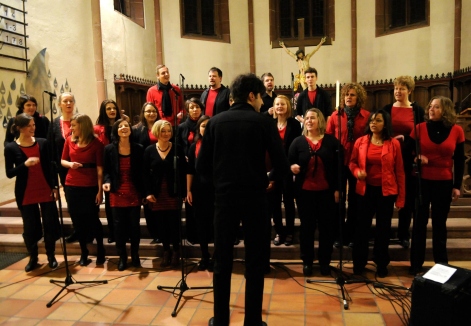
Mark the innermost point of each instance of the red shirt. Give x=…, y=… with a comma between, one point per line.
x=37, y=189
x=212, y=94
x=65, y=128
x=312, y=95
x=152, y=138
x=315, y=179
x=154, y=95
x=90, y=154
x=402, y=120
x=374, y=165
x=282, y=133
x=100, y=132
x=440, y=156
x=126, y=195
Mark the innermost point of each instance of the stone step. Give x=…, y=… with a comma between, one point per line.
x=458, y=249
x=457, y=227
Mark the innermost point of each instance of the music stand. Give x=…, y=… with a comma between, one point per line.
x=69, y=280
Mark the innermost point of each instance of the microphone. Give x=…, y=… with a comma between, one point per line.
x=50, y=94
x=183, y=77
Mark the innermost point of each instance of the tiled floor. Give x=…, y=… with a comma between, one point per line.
x=131, y=297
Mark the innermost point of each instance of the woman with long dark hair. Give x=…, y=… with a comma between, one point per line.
x=163, y=191
x=314, y=158
x=142, y=134
x=377, y=164
x=442, y=167
x=123, y=180
x=288, y=129
x=28, y=104
x=353, y=121
x=83, y=156
x=109, y=113
x=200, y=195
x=28, y=160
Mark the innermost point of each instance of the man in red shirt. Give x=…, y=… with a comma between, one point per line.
x=166, y=96
x=216, y=97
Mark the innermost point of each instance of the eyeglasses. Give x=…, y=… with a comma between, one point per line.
x=150, y=112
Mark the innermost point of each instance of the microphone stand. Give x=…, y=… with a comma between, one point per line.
x=181, y=285
x=340, y=279
x=68, y=276
x=292, y=94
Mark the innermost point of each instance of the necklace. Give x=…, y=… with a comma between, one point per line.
x=281, y=125
x=375, y=141
x=163, y=150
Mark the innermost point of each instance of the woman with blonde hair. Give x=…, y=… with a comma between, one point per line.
x=83, y=156
x=162, y=190
x=288, y=129
x=314, y=160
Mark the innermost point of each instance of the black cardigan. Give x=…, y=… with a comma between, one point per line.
x=111, y=168
x=299, y=154
x=15, y=167
x=321, y=102
x=155, y=170
x=183, y=131
x=140, y=135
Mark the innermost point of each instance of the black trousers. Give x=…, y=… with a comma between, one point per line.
x=405, y=214
x=85, y=213
x=317, y=209
x=229, y=213
x=371, y=204
x=152, y=222
x=283, y=192
x=109, y=214
x=169, y=223
x=127, y=226
x=203, y=209
x=33, y=229
x=436, y=194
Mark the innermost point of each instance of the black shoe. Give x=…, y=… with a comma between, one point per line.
x=405, y=243
x=211, y=322
x=325, y=270
x=32, y=264
x=277, y=240
x=84, y=261
x=136, y=261
x=156, y=240
x=203, y=264
x=52, y=261
x=350, y=245
x=307, y=270
x=72, y=238
x=100, y=257
x=211, y=265
x=337, y=244
x=289, y=240
x=111, y=240
x=413, y=270
x=122, y=264
x=236, y=241
x=382, y=271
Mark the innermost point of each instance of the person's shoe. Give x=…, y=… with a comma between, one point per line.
x=211, y=265
x=236, y=241
x=135, y=261
x=325, y=270
x=175, y=259
x=203, y=264
x=111, y=240
x=84, y=261
x=122, y=264
x=100, y=255
x=414, y=270
x=165, y=259
x=156, y=240
x=337, y=244
x=307, y=270
x=277, y=240
x=72, y=238
x=52, y=261
x=289, y=240
x=382, y=271
x=405, y=243
x=32, y=264
x=211, y=322
x=350, y=245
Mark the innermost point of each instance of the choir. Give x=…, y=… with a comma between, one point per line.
x=375, y=155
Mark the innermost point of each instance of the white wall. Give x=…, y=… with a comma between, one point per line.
x=465, y=35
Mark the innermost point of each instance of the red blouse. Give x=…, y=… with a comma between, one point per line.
x=315, y=179
x=374, y=176
x=126, y=195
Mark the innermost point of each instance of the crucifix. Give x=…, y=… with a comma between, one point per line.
x=301, y=59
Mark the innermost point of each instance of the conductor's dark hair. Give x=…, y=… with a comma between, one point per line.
x=245, y=84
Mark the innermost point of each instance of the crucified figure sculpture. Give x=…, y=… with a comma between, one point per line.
x=303, y=62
